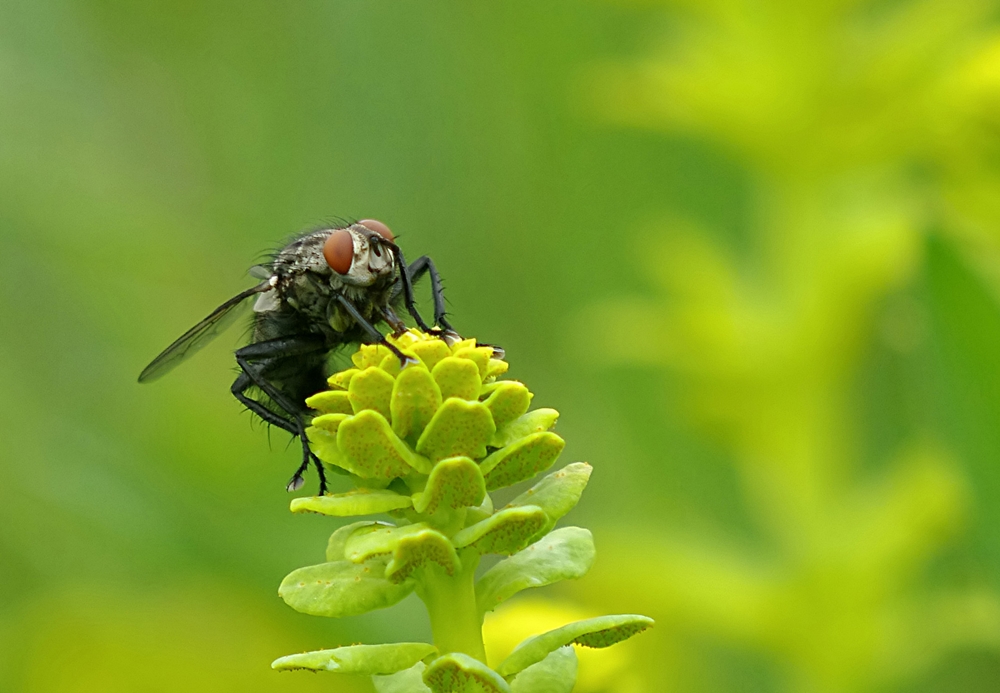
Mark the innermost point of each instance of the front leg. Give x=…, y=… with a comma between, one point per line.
x=254, y=360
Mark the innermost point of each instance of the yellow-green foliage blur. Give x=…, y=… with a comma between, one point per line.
x=750, y=251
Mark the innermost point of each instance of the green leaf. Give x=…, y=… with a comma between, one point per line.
x=460, y=673
x=557, y=493
x=565, y=554
x=377, y=540
x=507, y=401
x=361, y=501
x=430, y=351
x=415, y=398
x=372, y=450
x=479, y=355
x=533, y=422
x=457, y=378
x=359, y=659
x=342, y=379
x=341, y=588
x=602, y=631
x=554, y=674
x=371, y=389
x=454, y=483
x=407, y=681
x=338, y=540
x=458, y=429
x=417, y=550
x=504, y=532
x=521, y=460
x=331, y=402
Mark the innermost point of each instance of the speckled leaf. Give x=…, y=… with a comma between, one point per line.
x=565, y=554
x=359, y=659
x=324, y=444
x=458, y=429
x=361, y=501
x=554, y=674
x=431, y=351
x=505, y=532
x=479, y=355
x=341, y=588
x=526, y=424
x=479, y=512
x=457, y=378
x=342, y=379
x=496, y=367
x=371, y=389
x=559, y=492
x=372, y=450
x=602, y=631
x=509, y=400
x=407, y=681
x=460, y=673
x=338, y=540
x=369, y=355
x=521, y=460
x=453, y=483
x=415, y=398
x=331, y=402
x=417, y=550
x=377, y=540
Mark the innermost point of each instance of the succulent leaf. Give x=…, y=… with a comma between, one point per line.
x=521, y=460
x=557, y=493
x=407, y=681
x=370, y=449
x=533, y=422
x=554, y=674
x=331, y=402
x=415, y=398
x=359, y=659
x=460, y=673
x=341, y=588
x=459, y=428
x=565, y=554
x=419, y=549
x=507, y=401
x=479, y=355
x=602, y=631
x=360, y=501
x=453, y=483
x=336, y=545
x=457, y=378
x=504, y=532
x=376, y=540
x=342, y=379
x=371, y=389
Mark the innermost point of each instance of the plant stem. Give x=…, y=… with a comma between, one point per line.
x=451, y=604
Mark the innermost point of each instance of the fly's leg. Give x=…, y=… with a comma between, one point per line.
x=412, y=273
x=254, y=361
x=415, y=271
x=406, y=284
x=397, y=325
x=373, y=332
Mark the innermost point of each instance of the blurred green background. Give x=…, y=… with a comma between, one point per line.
x=749, y=249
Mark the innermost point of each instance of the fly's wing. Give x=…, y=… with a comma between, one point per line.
x=201, y=334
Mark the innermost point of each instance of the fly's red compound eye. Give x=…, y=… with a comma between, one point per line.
x=379, y=228
x=339, y=251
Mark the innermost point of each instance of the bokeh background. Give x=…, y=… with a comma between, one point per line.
x=749, y=248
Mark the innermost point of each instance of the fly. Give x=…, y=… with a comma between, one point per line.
x=324, y=289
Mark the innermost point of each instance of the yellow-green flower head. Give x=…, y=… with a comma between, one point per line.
x=446, y=415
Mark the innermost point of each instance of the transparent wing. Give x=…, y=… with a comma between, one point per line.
x=201, y=334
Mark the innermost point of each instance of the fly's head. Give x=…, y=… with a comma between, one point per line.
x=361, y=254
